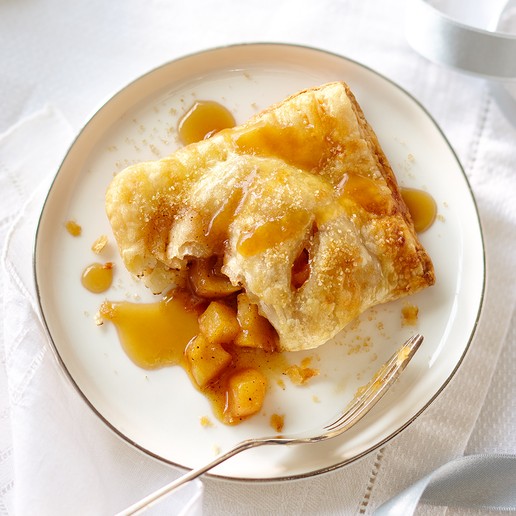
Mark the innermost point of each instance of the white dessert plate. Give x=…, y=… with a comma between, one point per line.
x=159, y=411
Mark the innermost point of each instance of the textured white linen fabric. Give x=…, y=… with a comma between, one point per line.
x=55, y=456
x=52, y=439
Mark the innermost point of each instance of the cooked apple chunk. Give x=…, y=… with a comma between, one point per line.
x=206, y=360
x=207, y=281
x=246, y=393
x=256, y=332
x=219, y=323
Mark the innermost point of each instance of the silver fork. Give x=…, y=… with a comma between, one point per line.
x=364, y=400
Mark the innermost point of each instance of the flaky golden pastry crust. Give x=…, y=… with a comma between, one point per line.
x=306, y=176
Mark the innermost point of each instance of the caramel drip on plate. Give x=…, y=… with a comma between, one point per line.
x=202, y=120
x=153, y=334
x=163, y=333
x=422, y=207
x=97, y=277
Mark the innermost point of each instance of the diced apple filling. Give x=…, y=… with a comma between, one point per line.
x=219, y=323
x=208, y=282
x=246, y=392
x=256, y=332
x=212, y=356
x=206, y=359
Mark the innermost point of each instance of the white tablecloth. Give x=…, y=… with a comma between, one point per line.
x=61, y=60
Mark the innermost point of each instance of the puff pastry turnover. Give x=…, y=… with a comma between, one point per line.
x=304, y=185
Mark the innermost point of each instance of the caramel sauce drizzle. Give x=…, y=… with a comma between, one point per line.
x=272, y=232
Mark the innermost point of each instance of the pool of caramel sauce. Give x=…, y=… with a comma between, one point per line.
x=202, y=120
x=155, y=335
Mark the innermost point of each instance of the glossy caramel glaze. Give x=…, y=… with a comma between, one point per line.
x=153, y=334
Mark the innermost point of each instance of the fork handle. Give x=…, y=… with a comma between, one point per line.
x=151, y=499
